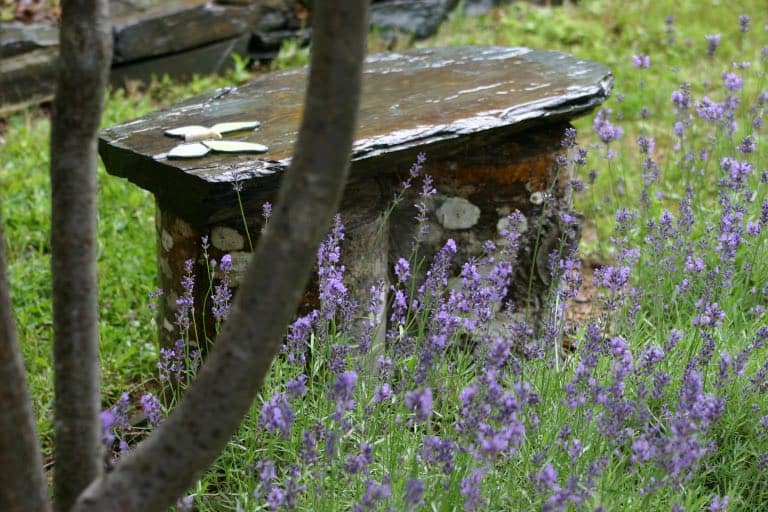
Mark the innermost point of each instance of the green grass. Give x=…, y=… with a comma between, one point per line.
x=608, y=32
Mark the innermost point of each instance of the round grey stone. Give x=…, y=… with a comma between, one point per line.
x=457, y=213
x=227, y=239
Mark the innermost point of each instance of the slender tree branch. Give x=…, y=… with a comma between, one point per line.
x=22, y=483
x=167, y=463
x=85, y=55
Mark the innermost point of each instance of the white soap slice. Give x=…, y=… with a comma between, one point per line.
x=235, y=146
x=182, y=132
x=235, y=126
x=204, y=134
x=195, y=150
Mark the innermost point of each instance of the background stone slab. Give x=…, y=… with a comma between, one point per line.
x=208, y=59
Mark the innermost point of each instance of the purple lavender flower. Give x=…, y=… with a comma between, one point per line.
x=613, y=278
x=569, y=138
x=733, y=82
x=471, y=490
x=713, y=41
x=402, y=270
x=343, y=392
x=382, y=393
x=710, y=110
x=414, y=493
x=641, y=61
x=605, y=130
x=277, y=415
x=682, y=97
x=337, y=361
x=438, y=451
x=710, y=314
x=154, y=297
x=297, y=387
x=374, y=494
x=152, y=409
x=115, y=418
x=222, y=294
x=108, y=421
x=720, y=504
x=298, y=338
x=277, y=497
x=731, y=233
x=646, y=144
x=186, y=503
x=747, y=145
x=357, y=463
x=428, y=191
x=642, y=451
x=420, y=402
x=415, y=170
x=744, y=23
x=173, y=362
x=186, y=302
x=669, y=21
x=330, y=272
x=546, y=479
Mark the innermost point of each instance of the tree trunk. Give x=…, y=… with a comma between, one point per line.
x=85, y=55
x=167, y=463
x=22, y=483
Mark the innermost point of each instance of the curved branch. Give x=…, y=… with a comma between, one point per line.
x=167, y=463
x=85, y=55
x=22, y=483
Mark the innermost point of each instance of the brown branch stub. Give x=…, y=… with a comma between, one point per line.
x=166, y=464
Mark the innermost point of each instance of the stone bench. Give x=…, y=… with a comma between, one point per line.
x=489, y=119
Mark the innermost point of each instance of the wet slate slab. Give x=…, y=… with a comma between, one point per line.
x=17, y=38
x=28, y=55
x=418, y=18
x=169, y=27
x=411, y=101
x=208, y=59
x=27, y=79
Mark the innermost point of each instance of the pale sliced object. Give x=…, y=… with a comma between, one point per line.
x=195, y=150
x=204, y=134
x=184, y=130
x=235, y=146
x=235, y=126
x=194, y=133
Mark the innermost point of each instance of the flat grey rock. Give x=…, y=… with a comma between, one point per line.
x=419, y=18
x=177, y=25
x=17, y=38
x=207, y=59
x=27, y=78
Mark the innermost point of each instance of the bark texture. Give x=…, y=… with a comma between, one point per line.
x=85, y=55
x=167, y=463
x=22, y=483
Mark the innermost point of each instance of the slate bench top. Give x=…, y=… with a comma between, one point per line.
x=410, y=100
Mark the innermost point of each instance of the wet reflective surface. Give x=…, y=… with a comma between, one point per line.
x=412, y=99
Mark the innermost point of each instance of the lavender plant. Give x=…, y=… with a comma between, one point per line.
x=660, y=404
